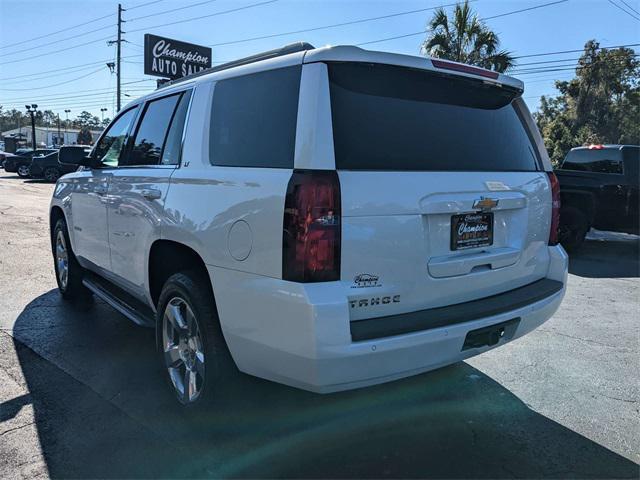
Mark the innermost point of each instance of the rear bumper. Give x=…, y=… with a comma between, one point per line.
x=301, y=336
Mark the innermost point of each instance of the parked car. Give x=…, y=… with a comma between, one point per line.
x=599, y=189
x=21, y=163
x=326, y=218
x=48, y=167
x=4, y=156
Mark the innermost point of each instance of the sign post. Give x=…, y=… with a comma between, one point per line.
x=168, y=58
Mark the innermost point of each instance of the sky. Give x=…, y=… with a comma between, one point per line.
x=31, y=68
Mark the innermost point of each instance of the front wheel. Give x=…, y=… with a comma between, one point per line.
x=24, y=171
x=192, y=349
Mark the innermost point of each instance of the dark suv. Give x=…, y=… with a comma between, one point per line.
x=598, y=188
x=21, y=164
x=49, y=168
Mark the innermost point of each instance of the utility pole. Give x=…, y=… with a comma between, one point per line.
x=58, y=141
x=32, y=111
x=66, y=125
x=118, y=43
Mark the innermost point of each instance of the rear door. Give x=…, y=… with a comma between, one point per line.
x=139, y=188
x=443, y=196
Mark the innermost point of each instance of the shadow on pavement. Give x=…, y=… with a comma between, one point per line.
x=102, y=411
x=607, y=255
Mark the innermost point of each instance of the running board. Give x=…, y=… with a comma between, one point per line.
x=133, y=309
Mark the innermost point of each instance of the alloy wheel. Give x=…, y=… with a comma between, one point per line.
x=51, y=174
x=24, y=170
x=183, y=350
x=62, y=259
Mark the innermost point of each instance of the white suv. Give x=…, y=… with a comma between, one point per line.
x=327, y=218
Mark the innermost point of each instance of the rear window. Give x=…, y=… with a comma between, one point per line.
x=253, y=120
x=606, y=160
x=396, y=118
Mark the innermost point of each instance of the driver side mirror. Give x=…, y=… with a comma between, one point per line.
x=71, y=155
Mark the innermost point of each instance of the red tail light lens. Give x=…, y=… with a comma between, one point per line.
x=311, y=236
x=464, y=68
x=555, y=208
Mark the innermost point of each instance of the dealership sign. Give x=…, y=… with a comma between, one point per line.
x=167, y=58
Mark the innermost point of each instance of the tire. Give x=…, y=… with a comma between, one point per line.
x=69, y=273
x=193, y=354
x=574, y=226
x=24, y=171
x=51, y=174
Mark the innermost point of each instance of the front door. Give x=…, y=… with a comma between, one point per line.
x=90, y=197
x=139, y=187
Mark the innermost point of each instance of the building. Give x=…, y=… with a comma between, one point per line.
x=48, y=135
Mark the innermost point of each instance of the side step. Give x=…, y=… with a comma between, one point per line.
x=127, y=305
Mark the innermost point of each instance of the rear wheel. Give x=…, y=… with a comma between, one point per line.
x=24, y=171
x=574, y=226
x=193, y=351
x=51, y=174
x=68, y=270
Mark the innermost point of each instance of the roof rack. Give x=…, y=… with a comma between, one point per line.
x=277, y=52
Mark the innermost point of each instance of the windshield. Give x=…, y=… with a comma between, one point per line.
x=395, y=118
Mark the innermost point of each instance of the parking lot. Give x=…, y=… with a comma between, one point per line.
x=80, y=394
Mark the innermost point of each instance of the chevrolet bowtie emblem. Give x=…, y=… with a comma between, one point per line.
x=485, y=204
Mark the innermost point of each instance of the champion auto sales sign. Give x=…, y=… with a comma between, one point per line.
x=167, y=58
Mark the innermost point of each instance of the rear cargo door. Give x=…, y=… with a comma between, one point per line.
x=443, y=197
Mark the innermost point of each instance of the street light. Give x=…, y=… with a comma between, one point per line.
x=31, y=109
x=66, y=125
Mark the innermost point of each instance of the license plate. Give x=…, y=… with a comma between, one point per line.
x=471, y=230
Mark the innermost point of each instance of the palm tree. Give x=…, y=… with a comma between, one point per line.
x=466, y=39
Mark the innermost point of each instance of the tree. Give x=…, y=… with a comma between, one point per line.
x=601, y=104
x=465, y=38
x=85, y=119
x=84, y=136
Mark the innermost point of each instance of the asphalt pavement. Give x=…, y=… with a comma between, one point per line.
x=81, y=395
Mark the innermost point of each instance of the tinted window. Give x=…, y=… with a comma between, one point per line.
x=152, y=130
x=173, y=146
x=606, y=160
x=253, y=121
x=394, y=118
x=111, y=144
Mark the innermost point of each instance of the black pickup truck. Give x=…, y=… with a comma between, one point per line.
x=598, y=188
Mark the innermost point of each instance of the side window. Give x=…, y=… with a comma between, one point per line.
x=173, y=145
x=253, y=119
x=110, y=145
x=151, y=132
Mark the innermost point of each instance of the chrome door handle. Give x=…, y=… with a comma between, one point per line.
x=151, y=194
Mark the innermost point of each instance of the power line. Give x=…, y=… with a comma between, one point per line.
x=143, y=4
x=625, y=11
x=72, y=67
x=575, y=51
x=51, y=86
x=630, y=7
x=422, y=32
x=204, y=16
x=31, y=57
x=56, y=41
x=313, y=29
x=56, y=32
x=171, y=10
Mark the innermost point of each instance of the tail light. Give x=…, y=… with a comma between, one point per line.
x=555, y=208
x=311, y=230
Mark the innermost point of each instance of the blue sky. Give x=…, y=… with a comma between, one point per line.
x=563, y=26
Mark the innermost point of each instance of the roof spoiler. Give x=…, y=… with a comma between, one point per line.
x=277, y=52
